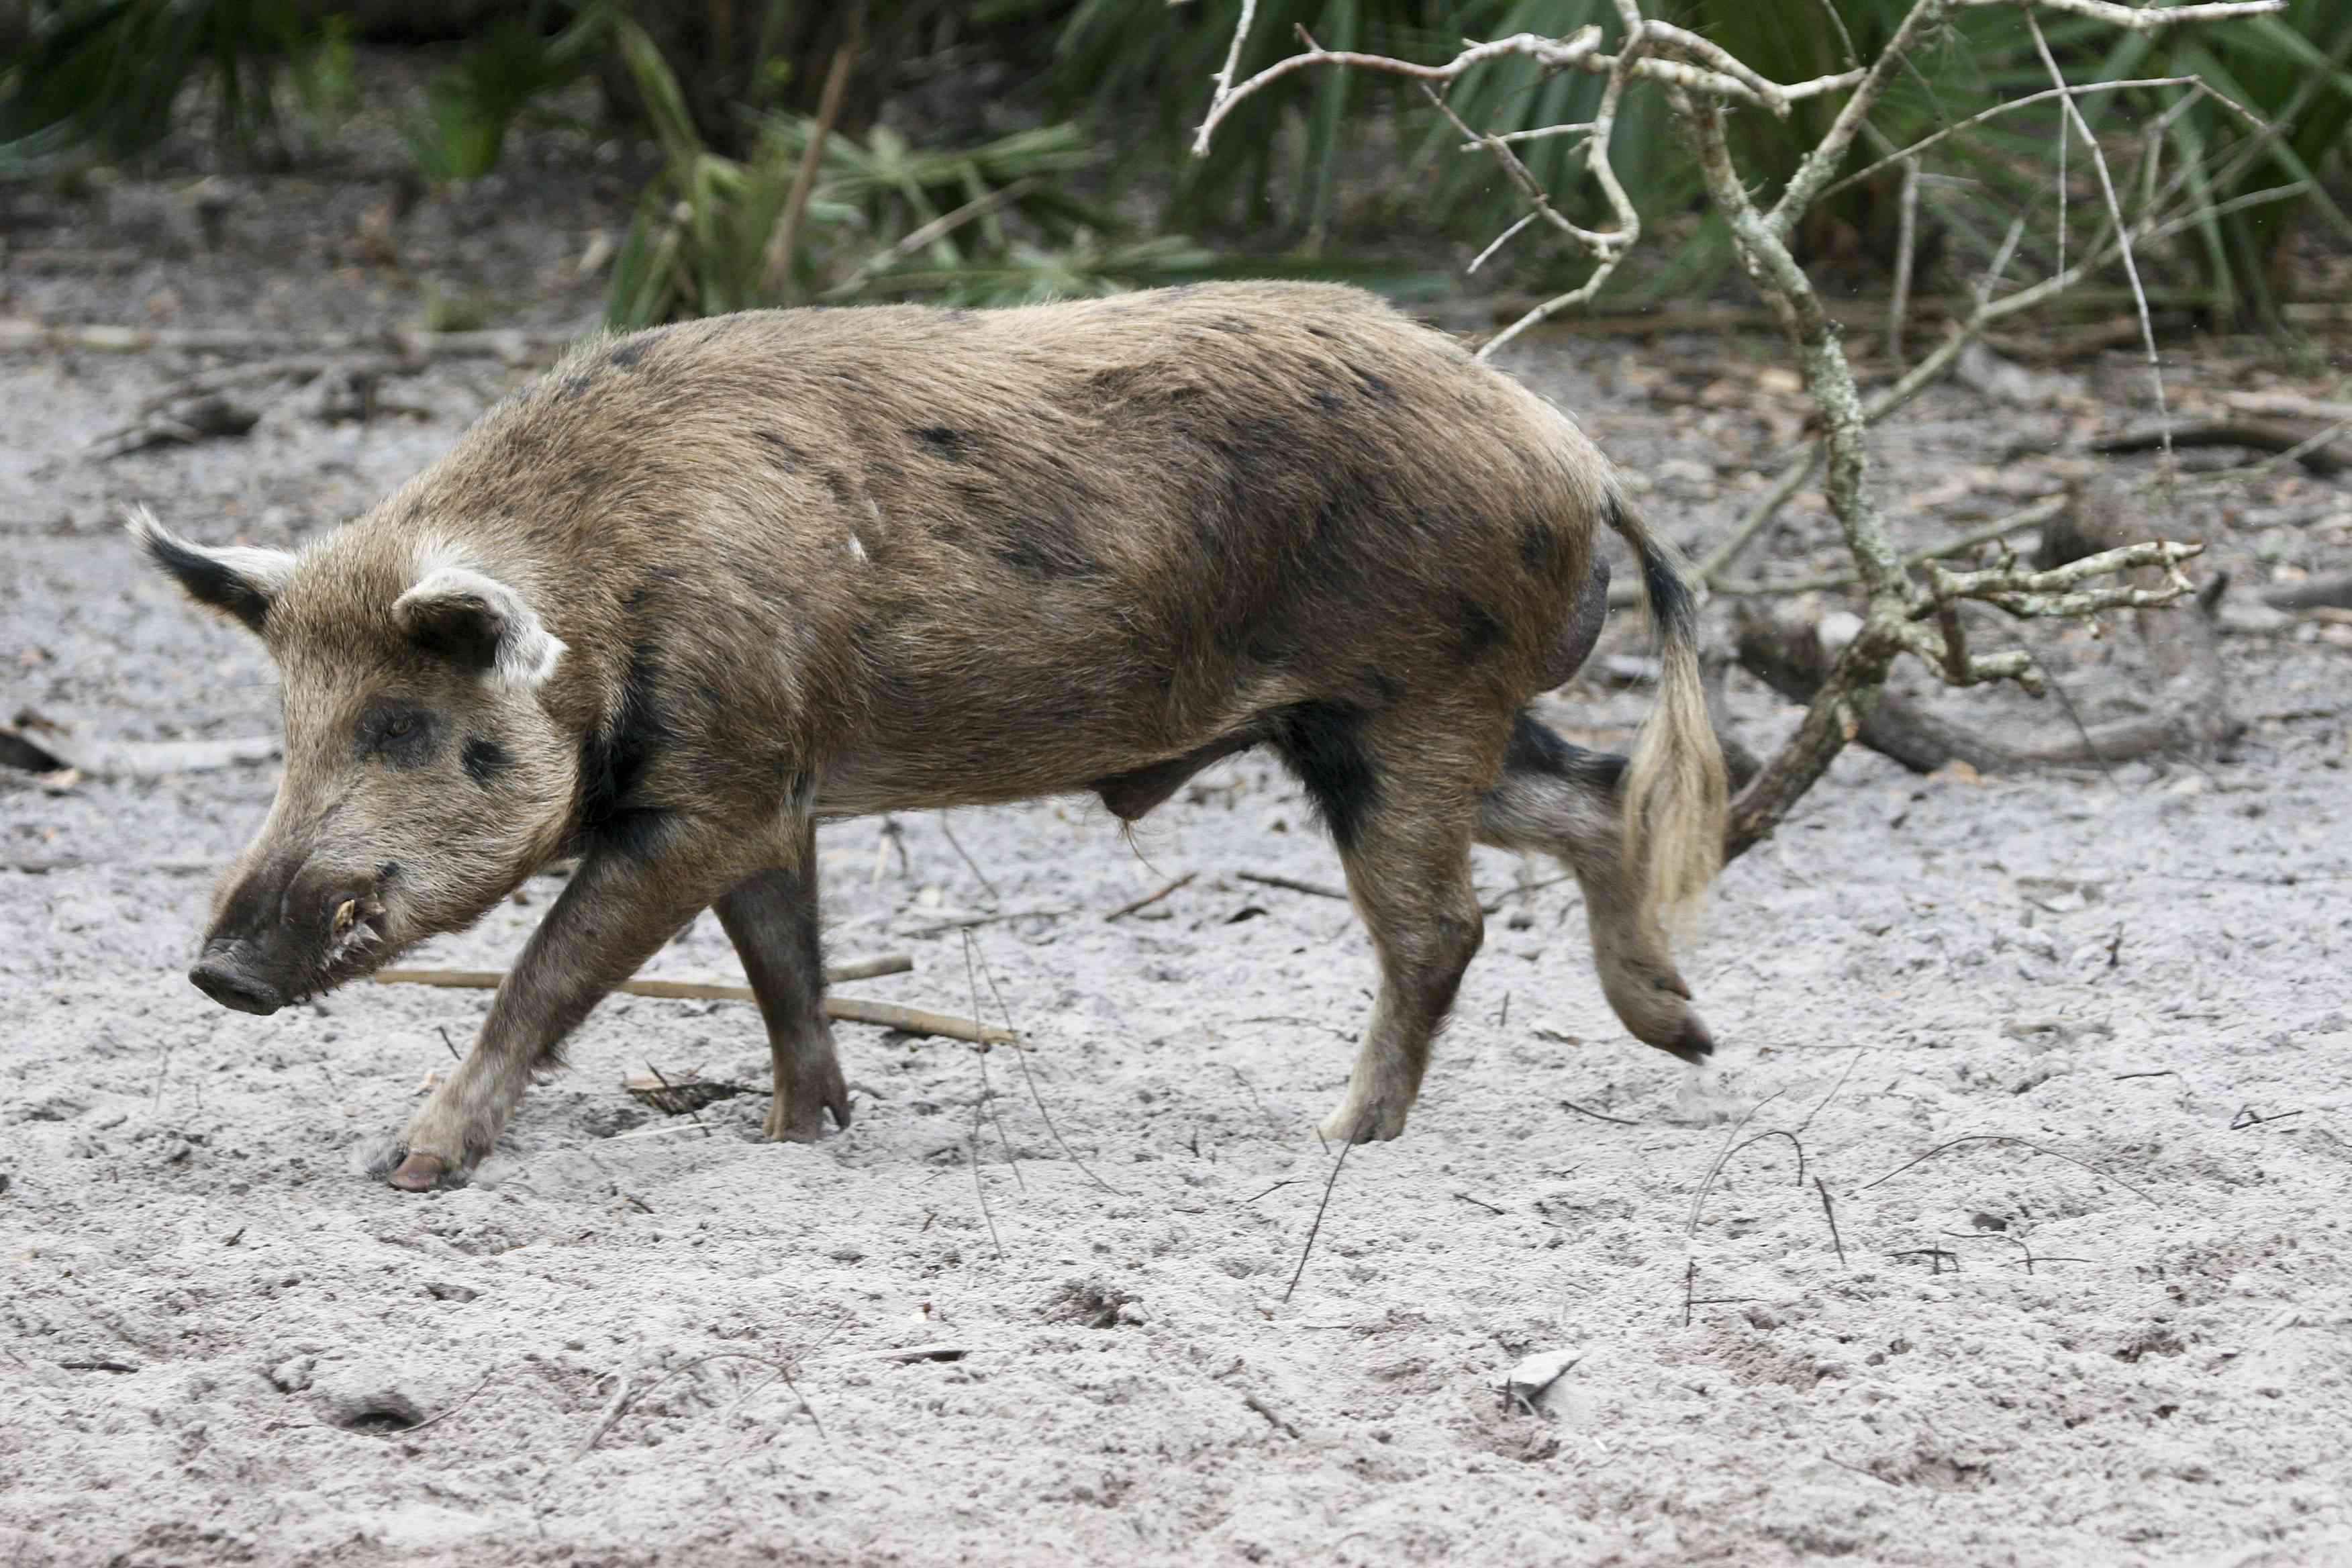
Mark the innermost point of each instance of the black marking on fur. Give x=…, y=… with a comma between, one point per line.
x=789, y=457
x=1330, y=402
x=573, y=387
x=1041, y=555
x=1374, y=385
x=845, y=494
x=387, y=872
x=1671, y=608
x=1539, y=545
x=611, y=808
x=943, y=442
x=1322, y=743
x=1670, y=598
x=1536, y=748
x=626, y=355
x=483, y=759
x=1233, y=324
x=208, y=582
x=1480, y=631
x=1272, y=645
x=1039, y=534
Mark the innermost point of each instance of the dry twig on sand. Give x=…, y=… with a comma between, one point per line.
x=509, y=347
x=845, y=1009
x=1294, y=885
x=2021, y=1143
x=1315, y=1229
x=626, y=1397
x=1144, y=902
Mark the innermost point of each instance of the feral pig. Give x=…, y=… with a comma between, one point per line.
x=704, y=585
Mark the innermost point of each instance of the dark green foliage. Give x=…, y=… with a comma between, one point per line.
x=2293, y=70
x=107, y=74
x=519, y=60
x=727, y=87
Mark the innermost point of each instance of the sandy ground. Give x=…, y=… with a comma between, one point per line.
x=2112, y=1328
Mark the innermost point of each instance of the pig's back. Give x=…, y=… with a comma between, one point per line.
x=1124, y=525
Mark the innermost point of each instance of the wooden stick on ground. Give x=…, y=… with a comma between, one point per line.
x=1148, y=900
x=847, y=1009
x=513, y=347
x=1291, y=884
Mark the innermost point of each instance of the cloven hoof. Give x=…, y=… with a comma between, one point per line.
x=418, y=1173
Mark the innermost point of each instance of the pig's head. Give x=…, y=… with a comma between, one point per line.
x=425, y=778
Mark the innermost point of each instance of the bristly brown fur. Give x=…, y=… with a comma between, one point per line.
x=755, y=570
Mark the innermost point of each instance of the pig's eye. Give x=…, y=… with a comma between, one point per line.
x=397, y=734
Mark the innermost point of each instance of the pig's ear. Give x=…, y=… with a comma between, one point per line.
x=477, y=622
x=236, y=580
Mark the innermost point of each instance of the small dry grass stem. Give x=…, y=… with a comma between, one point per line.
x=1829, y=1212
x=987, y=1103
x=628, y=1397
x=2139, y=1193
x=1004, y=1009
x=1690, y=1227
x=1315, y=1229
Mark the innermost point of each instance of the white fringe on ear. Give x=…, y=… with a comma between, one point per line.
x=267, y=570
x=528, y=651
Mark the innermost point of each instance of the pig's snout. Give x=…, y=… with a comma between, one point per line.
x=226, y=974
x=280, y=940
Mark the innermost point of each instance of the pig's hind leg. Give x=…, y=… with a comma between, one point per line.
x=772, y=918
x=1554, y=798
x=1401, y=810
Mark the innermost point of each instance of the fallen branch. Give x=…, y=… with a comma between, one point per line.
x=847, y=1009
x=1292, y=884
x=1148, y=900
x=509, y=347
x=130, y=759
x=2312, y=594
x=1788, y=656
x=2311, y=448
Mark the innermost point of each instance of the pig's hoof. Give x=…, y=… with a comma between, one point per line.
x=796, y=1114
x=1373, y=1124
x=1689, y=1041
x=794, y=1124
x=419, y=1172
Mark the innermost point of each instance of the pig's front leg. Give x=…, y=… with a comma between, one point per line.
x=773, y=919
x=617, y=911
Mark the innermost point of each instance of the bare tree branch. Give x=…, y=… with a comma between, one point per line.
x=1700, y=79
x=2147, y=18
